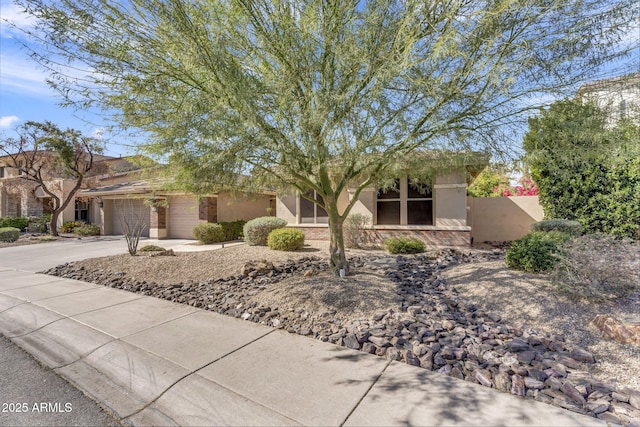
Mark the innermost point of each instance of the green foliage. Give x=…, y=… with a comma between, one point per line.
x=585, y=170
x=354, y=230
x=87, y=230
x=536, y=252
x=233, y=230
x=20, y=223
x=491, y=182
x=151, y=248
x=285, y=239
x=70, y=226
x=256, y=231
x=316, y=95
x=598, y=267
x=401, y=245
x=573, y=228
x=209, y=232
x=9, y=234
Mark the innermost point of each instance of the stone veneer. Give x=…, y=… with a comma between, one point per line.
x=456, y=238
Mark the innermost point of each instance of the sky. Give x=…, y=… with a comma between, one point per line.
x=24, y=94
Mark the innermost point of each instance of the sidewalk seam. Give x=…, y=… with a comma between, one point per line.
x=366, y=393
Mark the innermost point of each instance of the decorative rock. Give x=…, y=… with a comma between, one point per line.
x=617, y=331
x=369, y=348
x=351, y=341
x=380, y=342
x=517, y=345
x=634, y=398
x=533, y=383
x=484, y=378
x=569, y=390
x=620, y=397
x=582, y=355
x=411, y=358
x=610, y=418
x=502, y=382
x=392, y=354
x=517, y=385
x=598, y=406
x=526, y=357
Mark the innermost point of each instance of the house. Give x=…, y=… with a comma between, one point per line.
x=125, y=198
x=619, y=95
x=437, y=216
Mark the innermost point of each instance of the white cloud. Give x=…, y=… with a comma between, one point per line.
x=7, y=121
x=12, y=13
x=19, y=75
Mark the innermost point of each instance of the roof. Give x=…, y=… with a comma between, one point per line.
x=132, y=187
x=628, y=80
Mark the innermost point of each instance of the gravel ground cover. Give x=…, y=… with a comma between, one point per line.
x=460, y=313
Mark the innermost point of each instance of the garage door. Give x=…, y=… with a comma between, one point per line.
x=130, y=210
x=183, y=216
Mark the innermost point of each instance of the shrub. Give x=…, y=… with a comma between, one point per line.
x=20, y=223
x=285, y=239
x=208, y=233
x=598, y=267
x=151, y=248
x=233, y=230
x=573, y=228
x=70, y=226
x=401, y=245
x=257, y=230
x=87, y=230
x=353, y=230
x=9, y=234
x=536, y=252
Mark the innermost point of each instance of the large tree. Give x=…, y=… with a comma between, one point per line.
x=586, y=169
x=46, y=156
x=320, y=94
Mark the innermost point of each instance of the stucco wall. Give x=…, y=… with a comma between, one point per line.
x=502, y=218
x=233, y=207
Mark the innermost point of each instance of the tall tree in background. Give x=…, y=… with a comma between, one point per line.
x=319, y=95
x=46, y=155
x=585, y=170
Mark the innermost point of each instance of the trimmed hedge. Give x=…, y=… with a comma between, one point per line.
x=573, y=228
x=537, y=251
x=285, y=239
x=233, y=230
x=87, y=230
x=256, y=231
x=209, y=232
x=9, y=234
x=70, y=226
x=402, y=245
x=151, y=248
x=20, y=223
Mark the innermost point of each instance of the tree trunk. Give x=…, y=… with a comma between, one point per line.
x=338, y=260
x=53, y=225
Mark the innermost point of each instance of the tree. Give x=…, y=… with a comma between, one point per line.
x=319, y=95
x=47, y=155
x=585, y=170
x=491, y=182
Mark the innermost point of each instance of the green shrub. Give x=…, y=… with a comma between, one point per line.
x=353, y=230
x=598, y=267
x=151, y=248
x=208, y=233
x=537, y=251
x=233, y=230
x=403, y=245
x=9, y=234
x=70, y=226
x=257, y=230
x=285, y=239
x=20, y=223
x=87, y=230
x=573, y=228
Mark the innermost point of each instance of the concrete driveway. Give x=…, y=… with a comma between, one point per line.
x=42, y=256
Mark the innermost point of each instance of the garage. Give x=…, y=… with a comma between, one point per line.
x=183, y=216
x=130, y=211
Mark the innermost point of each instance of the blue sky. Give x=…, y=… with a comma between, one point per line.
x=24, y=95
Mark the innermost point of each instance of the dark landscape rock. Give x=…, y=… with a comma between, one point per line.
x=429, y=328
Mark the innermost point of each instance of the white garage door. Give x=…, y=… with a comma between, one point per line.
x=131, y=211
x=183, y=216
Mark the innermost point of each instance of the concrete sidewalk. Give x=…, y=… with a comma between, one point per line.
x=153, y=362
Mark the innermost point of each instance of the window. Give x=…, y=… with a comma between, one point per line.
x=1, y=171
x=20, y=171
x=388, y=205
x=310, y=213
x=82, y=211
x=406, y=204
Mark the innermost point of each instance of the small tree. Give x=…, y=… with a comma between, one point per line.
x=492, y=182
x=132, y=222
x=46, y=155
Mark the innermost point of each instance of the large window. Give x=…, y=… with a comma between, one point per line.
x=1, y=171
x=406, y=204
x=82, y=211
x=311, y=213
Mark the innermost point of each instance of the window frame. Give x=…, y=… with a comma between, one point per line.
x=404, y=187
x=315, y=207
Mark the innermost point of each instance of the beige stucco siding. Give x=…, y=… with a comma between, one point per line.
x=286, y=208
x=450, y=207
x=233, y=207
x=502, y=218
x=132, y=211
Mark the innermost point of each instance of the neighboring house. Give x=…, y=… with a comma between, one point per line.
x=22, y=198
x=438, y=217
x=619, y=95
x=120, y=199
